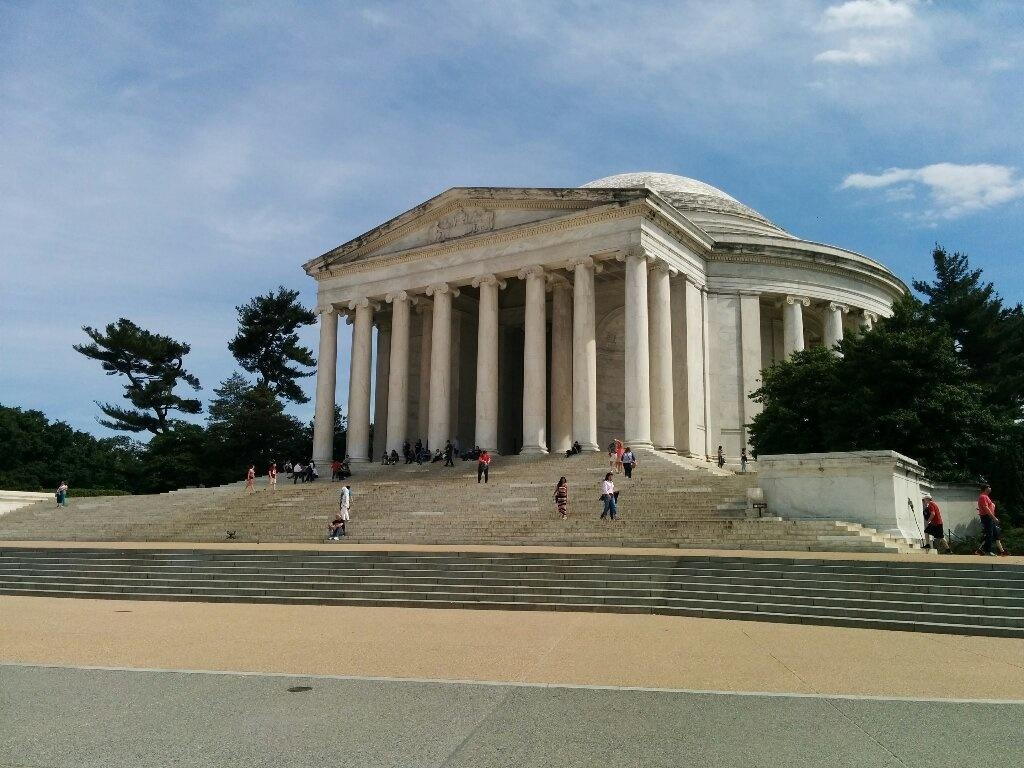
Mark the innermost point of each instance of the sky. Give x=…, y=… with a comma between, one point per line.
x=166, y=162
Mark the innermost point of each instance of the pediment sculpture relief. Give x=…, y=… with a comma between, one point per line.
x=465, y=221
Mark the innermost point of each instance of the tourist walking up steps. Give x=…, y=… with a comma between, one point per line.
x=483, y=466
x=628, y=461
x=989, y=525
x=609, y=496
x=743, y=461
x=272, y=476
x=933, y=528
x=562, y=498
x=720, y=459
x=250, y=479
x=62, y=494
x=344, y=504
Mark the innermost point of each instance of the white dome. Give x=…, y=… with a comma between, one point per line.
x=708, y=206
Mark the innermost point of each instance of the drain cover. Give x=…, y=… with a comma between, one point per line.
x=300, y=689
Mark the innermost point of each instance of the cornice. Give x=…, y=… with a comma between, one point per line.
x=508, y=235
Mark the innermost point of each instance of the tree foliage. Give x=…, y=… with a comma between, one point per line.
x=267, y=342
x=38, y=453
x=153, y=364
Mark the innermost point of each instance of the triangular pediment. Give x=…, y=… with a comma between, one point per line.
x=466, y=212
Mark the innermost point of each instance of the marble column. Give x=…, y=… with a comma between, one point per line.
x=750, y=356
x=326, y=383
x=834, y=324
x=867, y=321
x=688, y=316
x=584, y=355
x=486, y=433
x=659, y=307
x=711, y=421
x=638, y=359
x=426, y=309
x=534, y=363
x=358, y=443
x=561, y=366
x=398, y=375
x=793, y=324
x=439, y=419
x=380, y=388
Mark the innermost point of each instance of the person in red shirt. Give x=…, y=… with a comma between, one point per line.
x=483, y=466
x=989, y=524
x=933, y=528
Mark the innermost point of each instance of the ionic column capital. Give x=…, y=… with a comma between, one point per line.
x=391, y=298
x=635, y=252
x=836, y=307
x=327, y=309
x=660, y=266
x=870, y=316
x=439, y=289
x=558, y=282
x=489, y=280
x=363, y=304
x=798, y=300
x=584, y=262
x=528, y=272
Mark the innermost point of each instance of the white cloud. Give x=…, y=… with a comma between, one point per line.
x=869, y=32
x=867, y=14
x=955, y=190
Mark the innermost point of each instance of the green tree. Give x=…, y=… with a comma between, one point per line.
x=267, y=342
x=247, y=425
x=38, y=453
x=988, y=336
x=153, y=365
x=901, y=387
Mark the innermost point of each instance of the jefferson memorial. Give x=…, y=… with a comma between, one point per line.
x=641, y=306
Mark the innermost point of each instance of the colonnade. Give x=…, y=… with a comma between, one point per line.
x=650, y=401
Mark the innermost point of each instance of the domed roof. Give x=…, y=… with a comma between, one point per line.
x=709, y=207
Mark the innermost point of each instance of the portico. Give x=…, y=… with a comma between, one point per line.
x=642, y=307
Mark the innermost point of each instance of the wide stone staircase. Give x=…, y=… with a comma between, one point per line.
x=947, y=596
x=670, y=502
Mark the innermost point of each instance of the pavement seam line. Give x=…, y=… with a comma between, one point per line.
x=512, y=684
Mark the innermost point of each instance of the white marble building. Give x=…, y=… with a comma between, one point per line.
x=640, y=306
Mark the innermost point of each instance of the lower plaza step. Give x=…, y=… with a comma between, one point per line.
x=669, y=502
x=942, y=596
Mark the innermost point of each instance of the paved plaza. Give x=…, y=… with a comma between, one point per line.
x=124, y=683
x=113, y=718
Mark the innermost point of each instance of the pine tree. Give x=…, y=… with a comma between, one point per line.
x=267, y=342
x=153, y=365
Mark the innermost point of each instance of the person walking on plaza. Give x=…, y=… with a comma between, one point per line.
x=989, y=524
x=250, y=479
x=933, y=528
x=62, y=494
x=720, y=460
x=628, y=461
x=483, y=466
x=344, y=505
x=743, y=461
x=619, y=450
x=608, y=494
x=272, y=476
x=562, y=498
x=449, y=456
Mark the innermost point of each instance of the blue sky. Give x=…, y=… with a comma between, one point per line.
x=166, y=162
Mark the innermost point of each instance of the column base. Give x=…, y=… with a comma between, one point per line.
x=590, y=447
x=643, y=445
x=666, y=448
x=533, y=450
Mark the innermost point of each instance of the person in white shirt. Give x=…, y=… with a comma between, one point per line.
x=344, y=503
x=608, y=497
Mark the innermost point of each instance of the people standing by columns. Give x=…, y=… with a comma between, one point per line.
x=439, y=413
x=584, y=354
x=561, y=365
x=793, y=324
x=638, y=364
x=535, y=363
x=398, y=374
x=487, y=363
x=663, y=426
x=326, y=381
x=359, y=381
